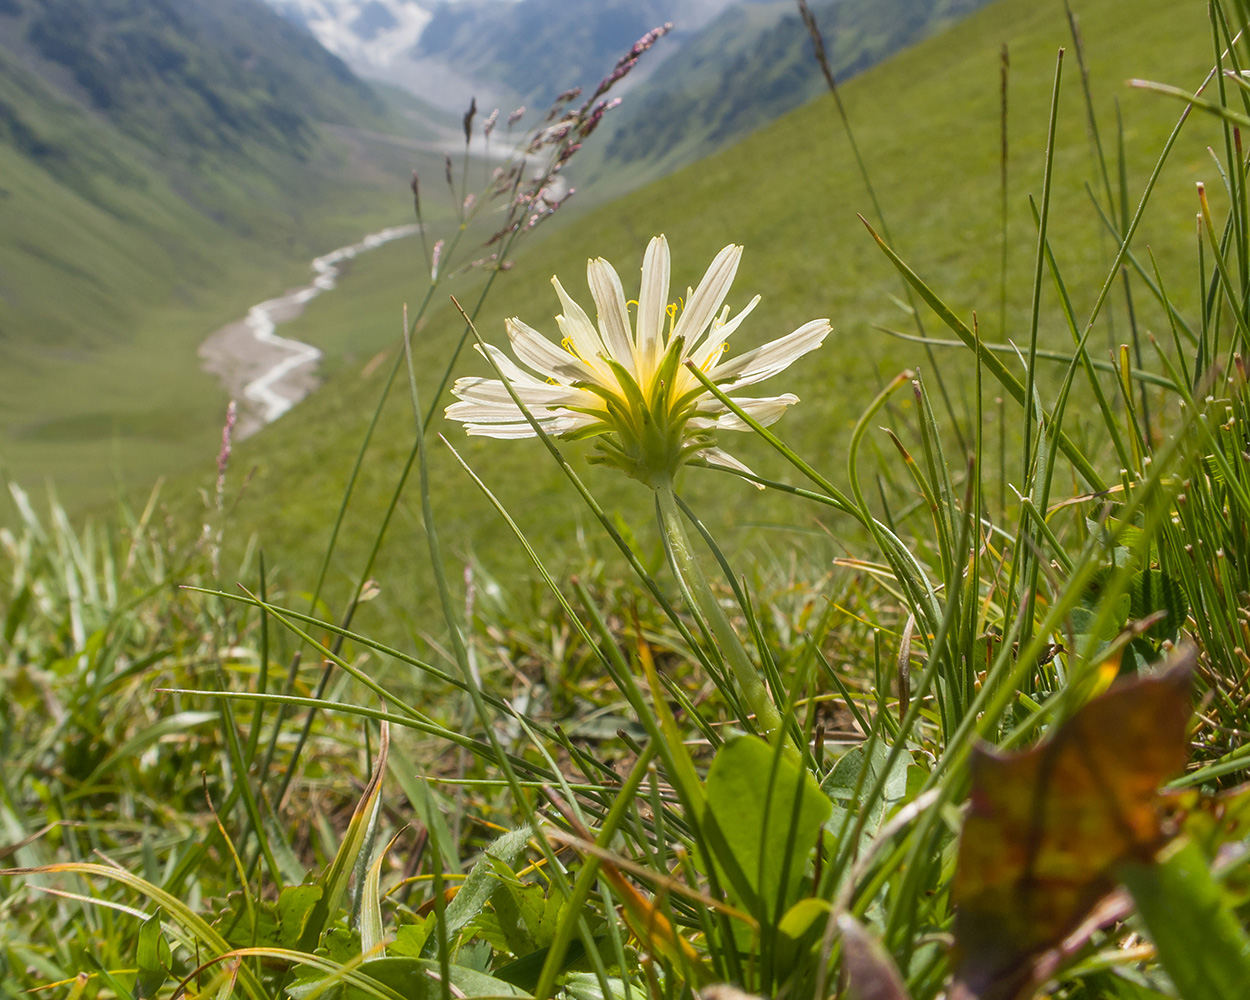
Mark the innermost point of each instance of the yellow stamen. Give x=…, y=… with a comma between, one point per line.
x=714, y=359
x=673, y=309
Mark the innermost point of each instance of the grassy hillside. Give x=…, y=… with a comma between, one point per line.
x=927, y=122
x=963, y=762
x=749, y=67
x=538, y=48
x=187, y=78
x=157, y=178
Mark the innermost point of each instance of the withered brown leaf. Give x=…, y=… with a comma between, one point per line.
x=1047, y=826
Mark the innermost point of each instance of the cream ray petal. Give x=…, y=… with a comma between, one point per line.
x=753, y=405
x=717, y=336
x=605, y=289
x=652, y=307
x=724, y=460
x=766, y=410
x=540, y=354
x=554, y=426
x=705, y=301
x=509, y=368
x=472, y=411
x=491, y=390
x=576, y=325
x=765, y=362
x=502, y=431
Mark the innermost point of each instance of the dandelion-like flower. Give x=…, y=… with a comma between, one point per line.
x=628, y=385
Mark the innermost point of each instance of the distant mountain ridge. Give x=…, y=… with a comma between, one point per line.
x=752, y=65
x=187, y=77
x=504, y=52
x=371, y=35
x=727, y=68
x=163, y=163
x=537, y=48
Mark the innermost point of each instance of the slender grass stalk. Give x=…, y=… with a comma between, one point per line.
x=590, y=870
x=686, y=565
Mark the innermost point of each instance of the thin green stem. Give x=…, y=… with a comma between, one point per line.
x=685, y=565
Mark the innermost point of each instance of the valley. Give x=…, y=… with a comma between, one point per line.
x=267, y=374
x=791, y=194
x=781, y=537
x=151, y=201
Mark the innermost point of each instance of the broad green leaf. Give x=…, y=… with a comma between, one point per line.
x=1198, y=937
x=1153, y=591
x=803, y=916
x=528, y=914
x=586, y=986
x=410, y=938
x=841, y=782
x=482, y=882
x=769, y=812
x=1128, y=540
x=527, y=969
x=415, y=979
x=152, y=957
x=295, y=905
x=800, y=930
x=340, y=944
x=1086, y=614
x=281, y=923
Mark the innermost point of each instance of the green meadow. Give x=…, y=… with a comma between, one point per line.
x=952, y=707
x=117, y=268
x=928, y=125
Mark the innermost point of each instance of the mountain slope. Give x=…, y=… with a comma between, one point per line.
x=161, y=166
x=927, y=123
x=163, y=118
x=506, y=52
x=183, y=78
x=536, y=48
x=727, y=68
x=749, y=67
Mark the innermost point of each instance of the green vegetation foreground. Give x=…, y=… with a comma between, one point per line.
x=772, y=778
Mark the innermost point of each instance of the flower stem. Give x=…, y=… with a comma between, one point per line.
x=686, y=566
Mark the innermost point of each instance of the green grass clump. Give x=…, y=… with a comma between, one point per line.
x=653, y=764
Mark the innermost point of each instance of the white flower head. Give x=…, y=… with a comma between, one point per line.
x=628, y=384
